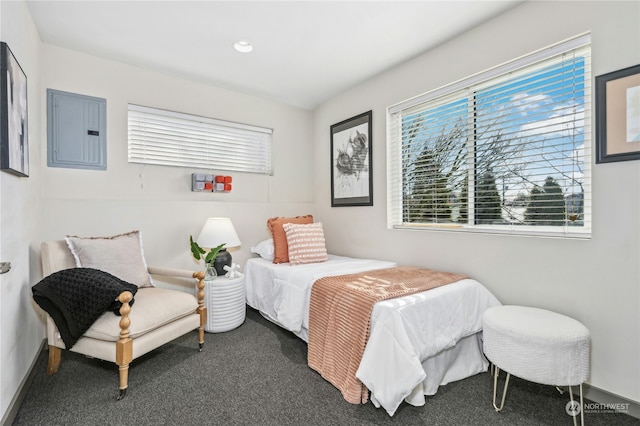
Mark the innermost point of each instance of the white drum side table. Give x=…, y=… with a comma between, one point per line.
x=225, y=302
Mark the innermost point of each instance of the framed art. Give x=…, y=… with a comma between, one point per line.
x=351, y=164
x=618, y=115
x=14, y=138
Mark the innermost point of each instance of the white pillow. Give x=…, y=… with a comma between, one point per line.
x=120, y=255
x=264, y=249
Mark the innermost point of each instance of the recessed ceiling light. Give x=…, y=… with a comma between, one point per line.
x=243, y=46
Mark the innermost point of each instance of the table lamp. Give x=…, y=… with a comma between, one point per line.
x=216, y=231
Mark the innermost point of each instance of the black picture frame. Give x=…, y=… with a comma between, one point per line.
x=618, y=115
x=14, y=134
x=351, y=162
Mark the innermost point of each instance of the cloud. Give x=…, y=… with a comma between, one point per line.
x=565, y=121
x=525, y=102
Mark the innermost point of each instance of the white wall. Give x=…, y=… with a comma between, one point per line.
x=595, y=281
x=21, y=332
x=157, y=199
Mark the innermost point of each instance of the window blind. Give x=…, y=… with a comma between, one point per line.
x=175, y=139
x=508, y=150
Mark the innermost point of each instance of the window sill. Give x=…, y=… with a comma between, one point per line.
x=542, y=231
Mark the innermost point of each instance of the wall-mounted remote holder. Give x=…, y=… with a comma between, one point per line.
x=202, y=182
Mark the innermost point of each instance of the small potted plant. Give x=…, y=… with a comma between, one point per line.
x=199, y=254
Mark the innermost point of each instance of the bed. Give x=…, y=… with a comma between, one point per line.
x=416, y=342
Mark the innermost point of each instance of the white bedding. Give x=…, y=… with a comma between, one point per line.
x=416, y=342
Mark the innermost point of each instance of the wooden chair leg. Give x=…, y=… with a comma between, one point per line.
x=124, y=381
x=124, y=346
x=202, y=309
x=203, y=321
x=55, y=355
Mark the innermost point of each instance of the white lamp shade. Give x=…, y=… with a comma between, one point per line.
x=218, y=230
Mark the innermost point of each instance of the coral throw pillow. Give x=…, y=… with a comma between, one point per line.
x=306, y=243
x=280, y=247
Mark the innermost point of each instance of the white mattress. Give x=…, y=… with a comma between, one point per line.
x=416, y=343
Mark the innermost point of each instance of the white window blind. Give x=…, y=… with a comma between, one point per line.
x=174, y=139
x=507, y=150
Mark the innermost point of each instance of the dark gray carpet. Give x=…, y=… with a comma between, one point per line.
x=257, y=375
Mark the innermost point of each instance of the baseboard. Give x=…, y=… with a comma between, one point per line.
x=609, y=402
x=16, y=401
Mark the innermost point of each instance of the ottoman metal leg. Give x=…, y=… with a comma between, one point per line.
x=495, y=388
x=581, y=406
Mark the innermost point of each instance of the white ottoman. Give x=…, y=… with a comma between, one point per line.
x=536, y=345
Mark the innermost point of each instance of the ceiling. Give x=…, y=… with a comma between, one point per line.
x=305, y=52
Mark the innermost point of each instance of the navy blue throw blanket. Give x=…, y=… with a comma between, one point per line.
x=75, y=298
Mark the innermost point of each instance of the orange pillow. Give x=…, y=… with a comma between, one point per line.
x=280, y=247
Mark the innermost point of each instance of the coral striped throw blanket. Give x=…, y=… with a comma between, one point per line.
x=340, y=315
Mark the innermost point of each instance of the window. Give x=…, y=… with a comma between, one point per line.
x=174, y=139
x=507, y=150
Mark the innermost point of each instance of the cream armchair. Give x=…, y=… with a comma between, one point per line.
x=156, y=317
